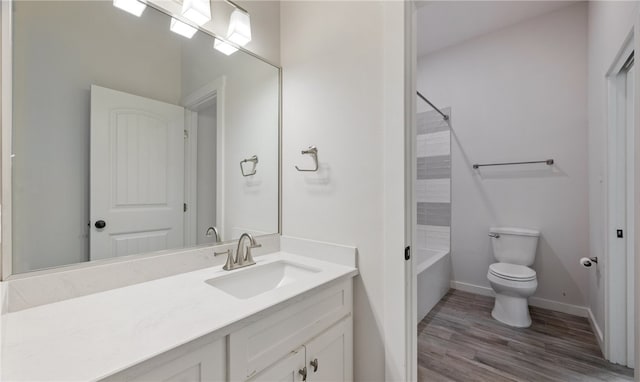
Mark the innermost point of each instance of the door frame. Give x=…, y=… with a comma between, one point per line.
x=636, y=249
x=615, y=267
x=6, y=254
x=214, y=90
x=399, y=98
x=631, y=220
x=411, y=159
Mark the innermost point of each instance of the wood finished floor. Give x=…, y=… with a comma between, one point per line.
x=460, y=341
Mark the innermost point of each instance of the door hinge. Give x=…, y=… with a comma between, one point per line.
x=407, y=253
x=186, y=134
x=184, y=207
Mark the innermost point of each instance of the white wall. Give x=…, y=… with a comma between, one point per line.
x=610, y=23
x=265, y=27
x=332, y=59
x=519, y=94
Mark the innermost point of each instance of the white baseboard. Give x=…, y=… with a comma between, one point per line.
x=557, y=306
x=596, y=329
x=471, y=288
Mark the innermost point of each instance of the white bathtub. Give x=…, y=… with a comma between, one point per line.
x=433, y=271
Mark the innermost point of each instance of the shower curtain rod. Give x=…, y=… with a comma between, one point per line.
x=444, y=116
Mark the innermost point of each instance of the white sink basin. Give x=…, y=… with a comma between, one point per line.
x=258, y=279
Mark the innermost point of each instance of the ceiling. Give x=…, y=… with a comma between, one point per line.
x=445, y=23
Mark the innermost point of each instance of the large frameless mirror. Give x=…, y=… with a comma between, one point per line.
x=129, y=138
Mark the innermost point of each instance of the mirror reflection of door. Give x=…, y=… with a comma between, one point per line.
x=204, y=161
x=136, y=176
x=206, y=172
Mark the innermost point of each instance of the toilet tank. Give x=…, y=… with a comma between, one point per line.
x=514, y=245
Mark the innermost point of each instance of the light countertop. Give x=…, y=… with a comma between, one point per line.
x=95, y=336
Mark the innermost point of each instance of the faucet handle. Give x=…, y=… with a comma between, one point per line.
x=229, y=264
x=250, y=259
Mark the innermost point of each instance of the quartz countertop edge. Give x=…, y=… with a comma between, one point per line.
x=96, y=336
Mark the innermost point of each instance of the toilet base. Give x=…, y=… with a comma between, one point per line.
x=511, y=310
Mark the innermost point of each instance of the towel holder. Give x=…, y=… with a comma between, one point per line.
x=313, y=151
x=254, y=160
x=548, y=162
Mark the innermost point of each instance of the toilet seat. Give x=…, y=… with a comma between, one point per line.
x=512, y=272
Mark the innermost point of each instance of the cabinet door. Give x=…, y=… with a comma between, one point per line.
x=262, y=343
x=286, y=370
x=330, y=355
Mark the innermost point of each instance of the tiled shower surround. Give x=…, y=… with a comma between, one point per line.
x=433, y=186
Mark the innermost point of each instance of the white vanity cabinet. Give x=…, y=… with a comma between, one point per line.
x=319, y=322
x=312, y=335
x=326, y=358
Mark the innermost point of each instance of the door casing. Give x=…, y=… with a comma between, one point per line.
x=619, y=191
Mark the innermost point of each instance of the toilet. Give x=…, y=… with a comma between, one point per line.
x=511, y=278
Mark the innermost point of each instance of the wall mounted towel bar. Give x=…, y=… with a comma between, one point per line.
x=313, y=151
x=254, y=160
x=548, y=162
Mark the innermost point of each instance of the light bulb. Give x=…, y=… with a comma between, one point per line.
x=198, y=11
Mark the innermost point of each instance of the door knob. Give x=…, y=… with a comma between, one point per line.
x=100, y=224
x=314, y=363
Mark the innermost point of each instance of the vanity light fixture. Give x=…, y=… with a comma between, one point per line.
x=134, y=7
x=239, y=30
x=181, y=28
x=198, y=11
x=224, y=47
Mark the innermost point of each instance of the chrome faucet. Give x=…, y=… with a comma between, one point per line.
x=243, y=256
x=213, y=231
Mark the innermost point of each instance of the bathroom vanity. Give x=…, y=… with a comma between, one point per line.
x=289, y=317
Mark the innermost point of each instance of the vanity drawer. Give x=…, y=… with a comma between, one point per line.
x=199, y=361
x=262, y=343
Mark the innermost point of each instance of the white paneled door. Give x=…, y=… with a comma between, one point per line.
x=137, y=174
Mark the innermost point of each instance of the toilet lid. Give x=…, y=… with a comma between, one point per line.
x=512, y=272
